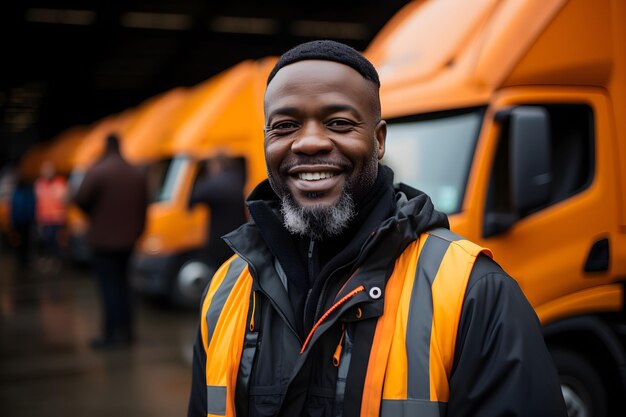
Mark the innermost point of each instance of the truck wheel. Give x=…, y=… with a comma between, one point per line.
x=190, y=281
x=582, y=387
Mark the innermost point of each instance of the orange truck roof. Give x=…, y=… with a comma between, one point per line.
x=425, y=65
x=145, y=138
x=64, y=146
x=59, y=150
x=225, y=114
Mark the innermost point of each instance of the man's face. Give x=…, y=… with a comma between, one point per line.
x=323, y=134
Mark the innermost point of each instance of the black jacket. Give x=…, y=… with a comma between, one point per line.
x=223, y=194
x=114, y=194
x=501, y=367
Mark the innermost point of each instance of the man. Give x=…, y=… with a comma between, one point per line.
x=114, y=194
x=349, y=296
x=221, y=189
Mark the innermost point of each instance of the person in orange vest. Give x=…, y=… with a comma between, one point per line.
x=348, y=295
x=51, y=215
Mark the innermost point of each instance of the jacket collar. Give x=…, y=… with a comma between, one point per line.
x=412, y=215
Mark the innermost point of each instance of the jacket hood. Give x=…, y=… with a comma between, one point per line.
x=415, y=213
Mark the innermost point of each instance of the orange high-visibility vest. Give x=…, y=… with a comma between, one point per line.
x=51, y=208
x=413, y=348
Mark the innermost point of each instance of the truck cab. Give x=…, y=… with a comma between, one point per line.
x=222, y=115
x=509, y=114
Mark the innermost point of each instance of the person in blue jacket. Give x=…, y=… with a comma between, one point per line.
x=22, y=219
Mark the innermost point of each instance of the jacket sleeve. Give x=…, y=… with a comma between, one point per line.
x=198, y=397
x=502, y=365
x=145, y=201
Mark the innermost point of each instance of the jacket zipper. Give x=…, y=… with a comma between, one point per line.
x=310, y=279
x=324, y=290
x=335, y=306
x=311, y=263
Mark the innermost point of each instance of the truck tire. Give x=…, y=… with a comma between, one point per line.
x=191, y=278
x=583, y=389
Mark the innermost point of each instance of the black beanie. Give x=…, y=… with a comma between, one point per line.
x=327, y=50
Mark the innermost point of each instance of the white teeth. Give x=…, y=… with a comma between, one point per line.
x=314, y=176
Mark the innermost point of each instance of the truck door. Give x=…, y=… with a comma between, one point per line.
x=555, y=238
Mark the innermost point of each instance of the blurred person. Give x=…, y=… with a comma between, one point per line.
x=220, y=187
x=349, y=295
x=22, y=219
x=51, y=195
x=114, y=195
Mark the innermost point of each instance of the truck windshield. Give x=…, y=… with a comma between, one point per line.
x=171, y=173
x=433, y=153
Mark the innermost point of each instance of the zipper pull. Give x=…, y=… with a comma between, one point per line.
x=253, y=311
x=311, y=245
x=329, y=312
x=337, y=354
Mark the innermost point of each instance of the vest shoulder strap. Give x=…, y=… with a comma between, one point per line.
x=225, y=312
x=416, y=335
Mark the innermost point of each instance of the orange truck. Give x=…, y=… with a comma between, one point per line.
x=222, y=115
x=511, y=115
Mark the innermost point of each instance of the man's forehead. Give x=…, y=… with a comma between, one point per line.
x=313, y=76
x=314, y=69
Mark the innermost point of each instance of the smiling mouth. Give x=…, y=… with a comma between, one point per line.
x=314, y=176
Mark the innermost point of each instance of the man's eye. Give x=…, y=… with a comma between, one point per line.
x=340, y=125
x=284, y=126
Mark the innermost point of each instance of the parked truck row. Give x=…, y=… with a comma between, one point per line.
x=510, y=114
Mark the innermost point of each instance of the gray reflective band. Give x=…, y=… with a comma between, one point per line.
x=216, y=400
x=412, y=408
x=445, y=234
x=420, y=318
x=221, y=295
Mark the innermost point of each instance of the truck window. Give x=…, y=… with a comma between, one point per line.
x=172, y=171
x=156, y=173
x=433, y=153
x=572, y=158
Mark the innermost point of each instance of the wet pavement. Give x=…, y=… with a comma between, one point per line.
x=48, y=368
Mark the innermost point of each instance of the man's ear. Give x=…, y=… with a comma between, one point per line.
x=380, y=133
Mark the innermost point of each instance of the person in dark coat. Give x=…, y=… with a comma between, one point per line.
x=220, y=187
x=114, y=194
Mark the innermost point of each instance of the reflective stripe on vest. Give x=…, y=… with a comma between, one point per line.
x=413, y=348
x=416, y=335
x=223, y=331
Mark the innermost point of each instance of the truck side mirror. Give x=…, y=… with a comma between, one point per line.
x=526, y=135
x=529, y=158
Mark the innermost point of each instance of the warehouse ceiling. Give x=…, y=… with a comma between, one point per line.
x=74, y=62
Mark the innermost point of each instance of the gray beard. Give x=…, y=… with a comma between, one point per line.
x=317, y=222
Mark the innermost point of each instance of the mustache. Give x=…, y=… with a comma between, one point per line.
x=314, y=160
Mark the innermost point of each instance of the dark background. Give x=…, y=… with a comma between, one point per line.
x=73, y=62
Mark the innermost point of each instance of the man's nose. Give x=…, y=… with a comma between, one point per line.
x=312, y=140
